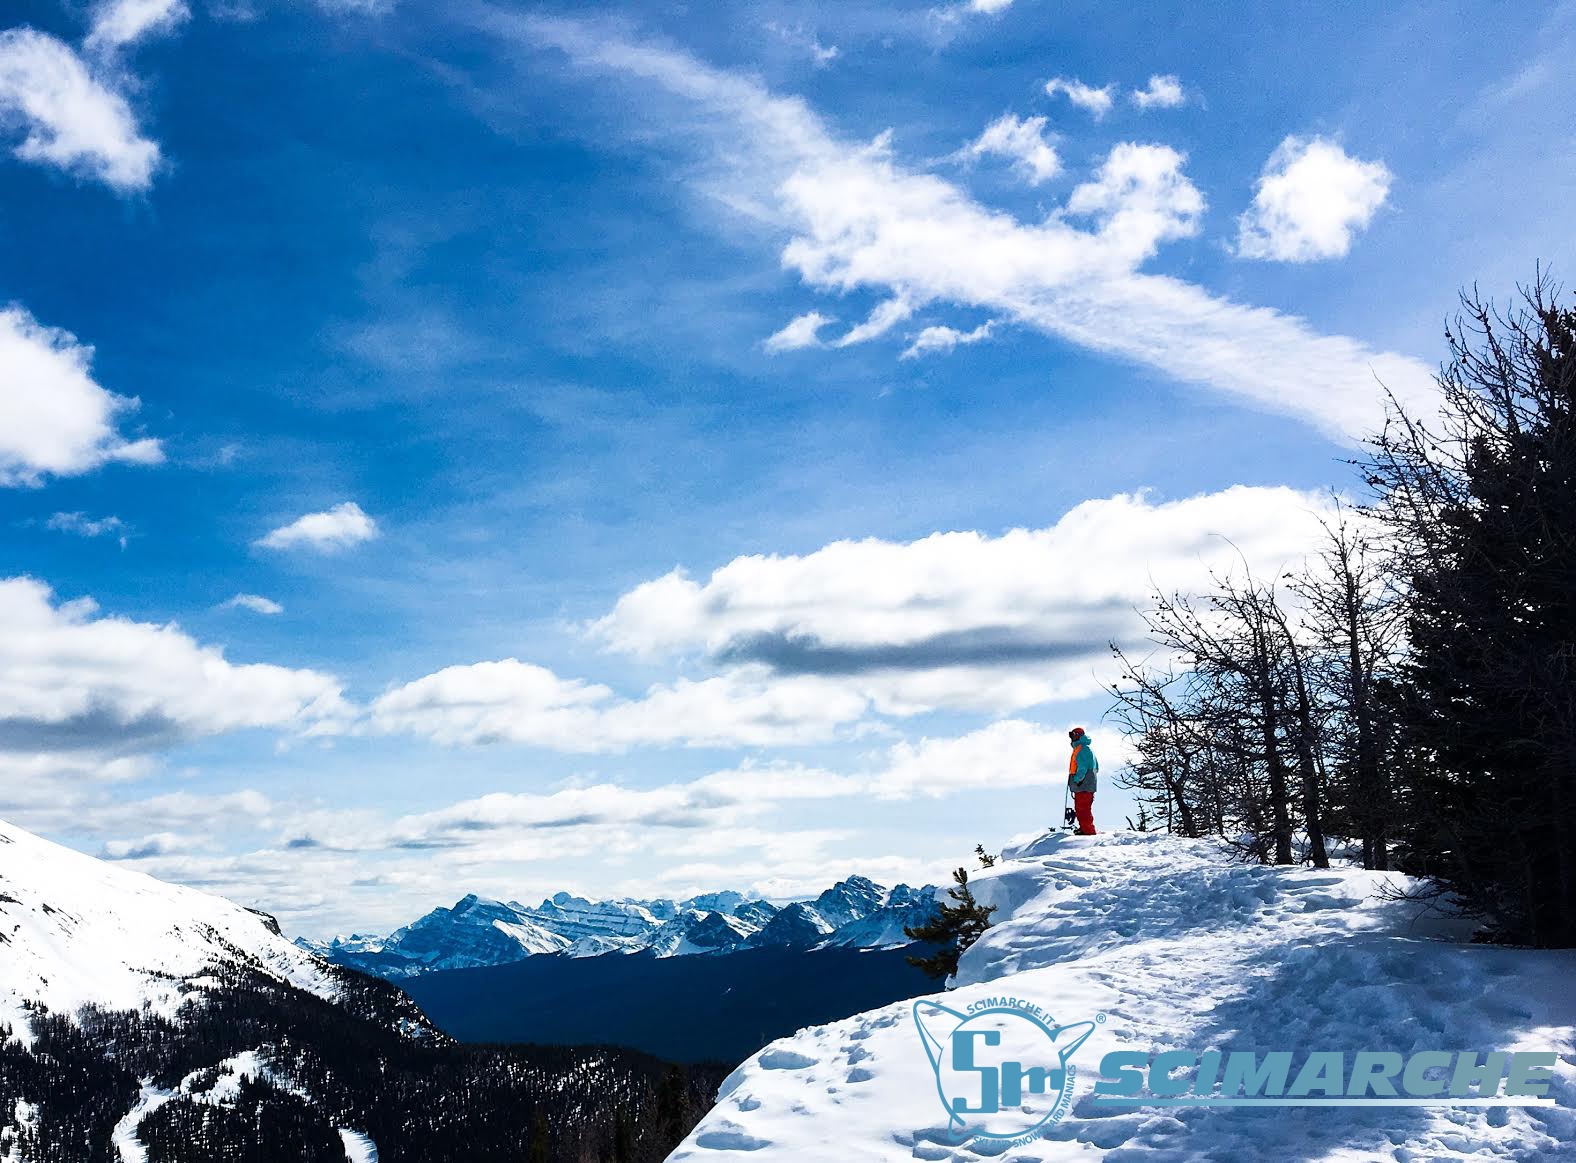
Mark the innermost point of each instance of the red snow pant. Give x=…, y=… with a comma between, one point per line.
x=1083, y=804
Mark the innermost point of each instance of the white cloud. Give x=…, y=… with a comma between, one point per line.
x=84, y=526
x=1140, y=198
x=156, y=844
x=800, y=333
x=509, y=701
x=344, y=525
x=943, y=339
x=1164, y=91
x=604, y=805
x=54, y=419
x=858, y=220
x=963, y=620
x=1022, y=140
x=72, y=120
x=72, y=680
x=489, y=702
x=1311, y=198
x=881, y=319
x=117, y=23
x=1009, y=753
x=1097, y=101
x=990, y=7
x=256, y=603
x=80, y=797
x=776, y=782
x=744, y=707
x=801, y=38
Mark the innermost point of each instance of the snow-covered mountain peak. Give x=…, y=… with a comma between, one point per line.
x=76, y=931
x=726, y=901
x=476, y=931
x=574, y=918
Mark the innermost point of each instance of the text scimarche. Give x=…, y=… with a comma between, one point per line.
x=1368, y=1077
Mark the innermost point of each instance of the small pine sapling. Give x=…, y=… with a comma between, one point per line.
x=954, y=928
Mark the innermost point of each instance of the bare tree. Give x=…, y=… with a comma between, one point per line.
x=1355, y=611
x=1233, y=714
x=1170, y=767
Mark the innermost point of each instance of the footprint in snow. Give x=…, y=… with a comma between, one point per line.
x=730, y=1137
x=778, y=1058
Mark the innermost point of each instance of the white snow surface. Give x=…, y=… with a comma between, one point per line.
x=1181, y=947
x=75, y=931
x=127, y=1146
x=358, y=1148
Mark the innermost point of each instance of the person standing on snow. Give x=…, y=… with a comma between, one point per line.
x=1083, y=776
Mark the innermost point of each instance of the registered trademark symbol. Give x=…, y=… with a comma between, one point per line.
x=1100, y=1018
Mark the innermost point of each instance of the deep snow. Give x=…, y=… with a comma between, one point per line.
x=1181, y=947
x=75, y=930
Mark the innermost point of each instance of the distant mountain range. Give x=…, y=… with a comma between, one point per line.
x=854, y=913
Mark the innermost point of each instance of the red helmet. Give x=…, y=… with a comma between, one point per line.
x=1075, y=734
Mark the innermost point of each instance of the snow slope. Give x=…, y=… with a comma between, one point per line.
x=1181, y=948
x=75, y=930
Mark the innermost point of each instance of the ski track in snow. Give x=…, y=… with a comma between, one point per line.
x=127, y=1146
x=358, y=1148
x=1182, y=948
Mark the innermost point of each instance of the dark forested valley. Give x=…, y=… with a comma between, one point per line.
x=370, y=1065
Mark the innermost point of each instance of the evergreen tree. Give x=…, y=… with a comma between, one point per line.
x=672, y=1104
x=623, y=1141
x=955, y=927
x=540, y=1151
x=1483, y=504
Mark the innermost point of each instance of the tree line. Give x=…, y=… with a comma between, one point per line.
x=1409, y=690
x=368, y=1062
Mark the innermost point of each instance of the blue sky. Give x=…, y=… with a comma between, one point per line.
x=614, y=422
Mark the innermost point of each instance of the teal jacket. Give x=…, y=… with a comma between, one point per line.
x=1083, y=768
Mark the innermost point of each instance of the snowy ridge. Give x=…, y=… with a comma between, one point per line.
x=574, y=917
x=76, y=931
x=474, y=932
x=1181, y=948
